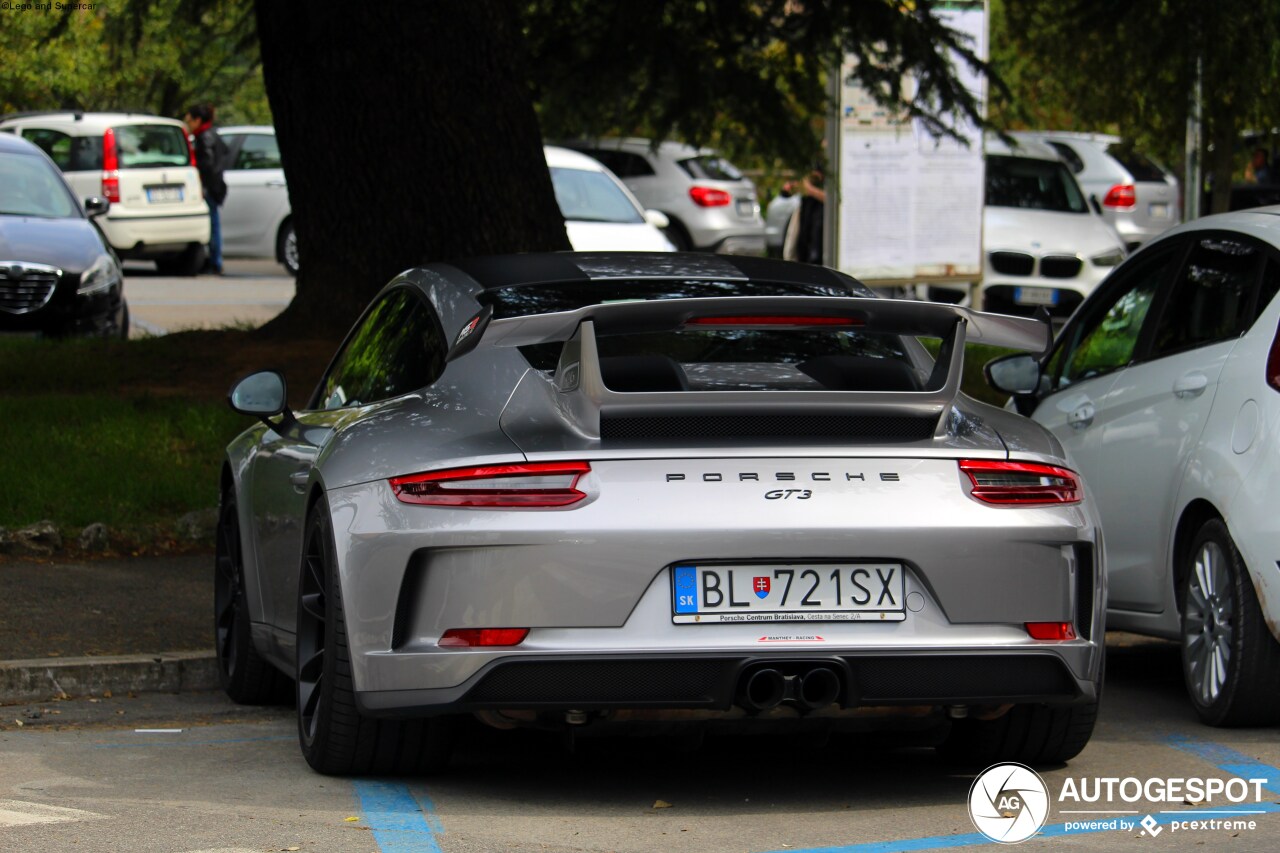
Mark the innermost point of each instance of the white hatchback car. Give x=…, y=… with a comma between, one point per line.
x=144, y=166
x=600, y=213
x=257, y=220
x=1165, y=390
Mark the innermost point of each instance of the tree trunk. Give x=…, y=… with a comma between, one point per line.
x=408, y=135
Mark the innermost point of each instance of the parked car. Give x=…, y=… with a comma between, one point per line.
x=1138, y=195
x=1165, y=390
x=776, y=219
x=257, y=220
x=559, y=490
x=711, y=206
x=600, y=214
x=57, y=274
x=141, y=164
x=1043, y=244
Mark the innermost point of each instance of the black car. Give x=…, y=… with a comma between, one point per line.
x=57, y=274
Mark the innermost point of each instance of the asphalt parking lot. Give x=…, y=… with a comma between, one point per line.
x=249, y=294
x=193, y=773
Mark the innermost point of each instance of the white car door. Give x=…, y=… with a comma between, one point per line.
x=257, y=198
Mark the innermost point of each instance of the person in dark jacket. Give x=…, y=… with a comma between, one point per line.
x=211, y=161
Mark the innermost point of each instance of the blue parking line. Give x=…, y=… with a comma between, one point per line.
x=1224, y=758
x=401, y=822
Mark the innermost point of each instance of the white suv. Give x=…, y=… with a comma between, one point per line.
x=144, y=166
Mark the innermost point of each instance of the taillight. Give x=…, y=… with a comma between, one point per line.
x=708, y=197
x=1020, y=483
x=1051, y=630
x=531, y=484
x=1121, y=196
x=110, y=167
x=747, y=321
x=191, y=151
x=467, y=637
x=1273, y=363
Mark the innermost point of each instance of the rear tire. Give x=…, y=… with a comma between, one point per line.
x=1027, y=734
x=335, y=737
x=1230, y=660
x=677, y=235
x=287, y=248
x=246, y=676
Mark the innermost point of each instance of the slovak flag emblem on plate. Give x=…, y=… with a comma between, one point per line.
x=761, y=586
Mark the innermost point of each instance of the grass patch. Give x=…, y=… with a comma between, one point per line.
x=130, y=463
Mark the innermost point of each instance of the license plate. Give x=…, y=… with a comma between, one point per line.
x=164, y=194
x=1159, y=210
x=746, y=207
x=789, y=593
x=1035, y=296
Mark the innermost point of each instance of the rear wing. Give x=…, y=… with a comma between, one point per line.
x=592, y=409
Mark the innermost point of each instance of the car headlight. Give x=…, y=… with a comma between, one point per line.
x=99, y=277
x=1108, y=259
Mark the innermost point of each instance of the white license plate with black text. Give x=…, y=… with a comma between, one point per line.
x=1035, y=296
x=164, y=194
x=848, y=592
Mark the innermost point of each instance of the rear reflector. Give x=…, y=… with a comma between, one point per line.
x=1020, y=483
x=1121, y=196
x=709, y=197
x=1051, y=630
x=747, y=322
x=467, y=637
x=531, y=484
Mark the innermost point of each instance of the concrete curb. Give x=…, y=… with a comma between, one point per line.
x=46, y=679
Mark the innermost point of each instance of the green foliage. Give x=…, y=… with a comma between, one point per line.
x=747, y=77
x=157, y=57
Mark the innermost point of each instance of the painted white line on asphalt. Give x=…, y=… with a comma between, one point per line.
x=18, y=813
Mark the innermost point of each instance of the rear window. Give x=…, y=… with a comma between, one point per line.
x=141, y=146
x=524, y=300
x=711, y=168
x=1142, y=167
x=586, y=196
x=1032, y=184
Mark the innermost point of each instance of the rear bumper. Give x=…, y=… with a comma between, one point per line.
x=711, y=682
x=151, y=235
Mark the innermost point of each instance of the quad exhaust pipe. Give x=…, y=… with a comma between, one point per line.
x=765, y=689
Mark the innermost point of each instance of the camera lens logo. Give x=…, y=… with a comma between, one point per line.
x=1008, y=803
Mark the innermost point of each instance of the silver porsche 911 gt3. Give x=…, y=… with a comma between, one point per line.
x=582, y=489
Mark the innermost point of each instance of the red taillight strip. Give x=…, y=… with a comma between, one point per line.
x=1061, y=631
x=1122, y=196
x=743, y=322
x=709, y=196
x=110, y=167
x=468, y=637
x=1020, y=483
x=449, y=488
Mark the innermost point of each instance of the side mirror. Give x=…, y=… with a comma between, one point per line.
x=96, y=206
x=657, y=219
x=1017, y=374
x=263, y=395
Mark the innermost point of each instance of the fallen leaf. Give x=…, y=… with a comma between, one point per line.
x=106, y=694
x=20, y=723
x=350, y=819
x=661, y=804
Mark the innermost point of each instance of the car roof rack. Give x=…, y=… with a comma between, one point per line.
x=76, y=114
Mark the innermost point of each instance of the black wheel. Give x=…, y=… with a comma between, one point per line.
x=1028, y=734
x=679, y=237
x=287, y=248
x=335, y=737
x=1230, y=660
x=187, y=262
x=245, y=675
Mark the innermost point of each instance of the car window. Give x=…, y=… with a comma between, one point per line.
x=624, y=164
x=1107, y=337
x=398, y=347
x=589, y=196
x=1034, y=184
x=141, y=146
x=259, y=151
x=29, y=186
x=1069, y=156
x=711, y=168
x=1212, y=298
x=1142, y=167
x=70, y=153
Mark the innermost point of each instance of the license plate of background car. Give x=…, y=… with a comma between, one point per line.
x=1035, y=296
x=164, y=193
x=821, y=592
x=1159, y=210
x=745, y=207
